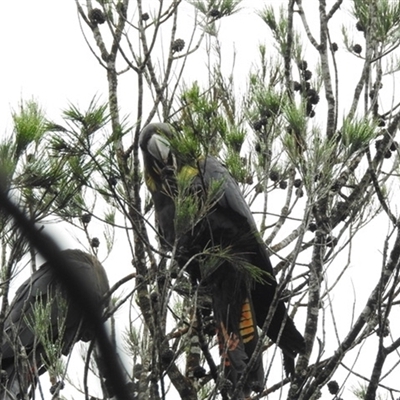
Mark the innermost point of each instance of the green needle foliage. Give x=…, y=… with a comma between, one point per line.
x=357, y=134
x=214, y=257
x=48, y=336
x=30, y=126
x=216, y=8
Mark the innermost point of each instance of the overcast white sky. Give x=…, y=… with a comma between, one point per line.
x=44, y=56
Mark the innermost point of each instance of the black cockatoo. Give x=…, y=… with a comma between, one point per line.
x=24, y=356
x=220, y=247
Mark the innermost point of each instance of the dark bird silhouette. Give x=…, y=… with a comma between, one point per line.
x=220, y=247
x=234, y=263
x=28, y=338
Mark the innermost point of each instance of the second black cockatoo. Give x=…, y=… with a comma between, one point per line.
x=202, y=213
x=42, y=311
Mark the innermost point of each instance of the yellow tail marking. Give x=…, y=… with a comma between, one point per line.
x=247, y=326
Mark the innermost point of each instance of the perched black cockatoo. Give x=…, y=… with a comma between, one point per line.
x=223, y=247
x=24, y=356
